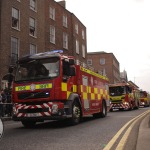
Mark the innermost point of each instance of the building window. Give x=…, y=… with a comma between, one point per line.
x=15, y=18
x=76, y=28
x=102, y=61
x=52, y=34
x=83, y=51
x=104, y=72
x=83, y=35
x=65, y=21
x=32, y=49
x=89, y=62
x=52, y=13
x=33, y=4
x=65, y=40
x=32, y=27
x=77, y=46
x=14, y=49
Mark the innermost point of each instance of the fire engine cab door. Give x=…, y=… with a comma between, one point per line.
x=84, y=92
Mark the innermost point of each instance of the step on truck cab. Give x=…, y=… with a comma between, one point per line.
x=51, y=86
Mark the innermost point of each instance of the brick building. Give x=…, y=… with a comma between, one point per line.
x=106, y=64
x=33, y=26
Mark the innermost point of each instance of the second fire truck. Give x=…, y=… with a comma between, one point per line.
x=124, y=96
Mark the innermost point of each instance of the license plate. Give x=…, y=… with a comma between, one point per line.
x=32, y=115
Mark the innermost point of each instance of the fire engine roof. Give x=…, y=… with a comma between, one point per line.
x=40, y=56
x=118, y=84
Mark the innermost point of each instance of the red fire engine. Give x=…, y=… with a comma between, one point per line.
x=144, y=98
x=124, y=96
x=50, y=86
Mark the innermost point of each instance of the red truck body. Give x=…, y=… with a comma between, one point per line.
x=144, y=98
x=72, y=91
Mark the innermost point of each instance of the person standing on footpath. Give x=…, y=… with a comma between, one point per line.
x=4, y=99
x=1, y=105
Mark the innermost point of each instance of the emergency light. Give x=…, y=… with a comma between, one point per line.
x=56, y=51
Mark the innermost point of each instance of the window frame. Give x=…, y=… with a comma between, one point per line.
x=77, y=46
x=52, y=34
x=65, y=40
x=31, y=49
x=32, y=29
x=14, y=53
x=52, y=13
x=102, y=61
x=65, y=20
x=83, y=34
x=89, y=60
x=17, y=24
x=33, y=2
x=83, y=51
x=76, y=28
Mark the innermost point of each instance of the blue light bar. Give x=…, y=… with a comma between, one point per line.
x=56, y=51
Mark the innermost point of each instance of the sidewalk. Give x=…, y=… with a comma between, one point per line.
x=143, y=142
x=6, y=118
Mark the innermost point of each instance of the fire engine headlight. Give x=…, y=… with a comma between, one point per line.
x=54, y=109
x=126, y=103
x=143, y=103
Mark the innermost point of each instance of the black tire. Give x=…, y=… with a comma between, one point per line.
x=76, y=113
x=28, y=124
x=103, y=113
x=104, y=110
x=137, y=106
x=111, y=110
x=131, y=107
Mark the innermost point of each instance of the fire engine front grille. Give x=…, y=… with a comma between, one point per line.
x=33, y=110
x=116, y=101
x=33, y=95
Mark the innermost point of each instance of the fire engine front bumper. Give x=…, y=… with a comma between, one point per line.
x=124, y=105
x=42, y=118
x=45, y=111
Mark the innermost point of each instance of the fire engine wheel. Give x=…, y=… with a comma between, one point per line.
x=103, y=113
x=76, y=113
x=130, y=107
x=104, y=110
x=28, y=124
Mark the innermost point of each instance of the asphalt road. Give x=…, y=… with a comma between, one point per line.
x=91, y=134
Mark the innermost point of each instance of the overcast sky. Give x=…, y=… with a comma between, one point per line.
x=121, y=27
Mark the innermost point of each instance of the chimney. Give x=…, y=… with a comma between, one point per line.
x=62, y=3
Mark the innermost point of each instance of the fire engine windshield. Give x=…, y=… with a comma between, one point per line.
x=117, y=91
x=143, y=94
x=38, y=69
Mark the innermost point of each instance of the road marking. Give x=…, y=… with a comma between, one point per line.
x=113, y=140
x=127, y=133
